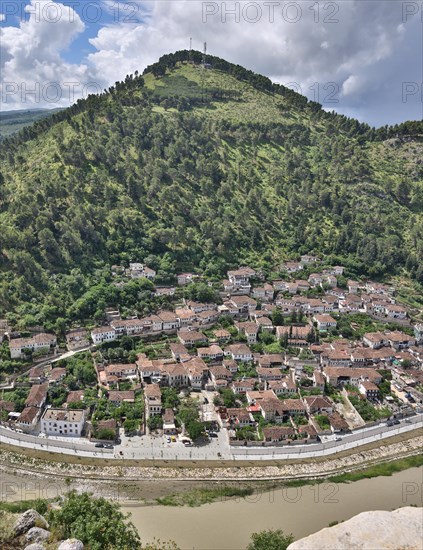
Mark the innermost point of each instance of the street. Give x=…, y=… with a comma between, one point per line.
x=151, y=447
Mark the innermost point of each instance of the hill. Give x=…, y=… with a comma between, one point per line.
x=193, y=167
x=14, y=121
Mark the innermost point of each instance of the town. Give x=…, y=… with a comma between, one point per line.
x=258, y=362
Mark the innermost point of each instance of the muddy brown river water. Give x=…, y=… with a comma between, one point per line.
x=227, y=525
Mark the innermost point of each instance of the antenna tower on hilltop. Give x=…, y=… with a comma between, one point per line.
x=204, y=54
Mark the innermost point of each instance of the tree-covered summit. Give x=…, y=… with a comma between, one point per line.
x=201, y=167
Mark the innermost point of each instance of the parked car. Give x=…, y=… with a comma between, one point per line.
x=108, y=446
x=213, y=434
x=99, y=445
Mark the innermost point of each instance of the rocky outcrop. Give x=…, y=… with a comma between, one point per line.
x=71, y=544
x=35, y=546
x=401, y=529
x=30, y=518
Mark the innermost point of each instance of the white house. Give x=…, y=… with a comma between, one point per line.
x=239, y=352
x=36, y=342
x=103, y=334
x=122, y=371
x=137, y=270
x=169, y=320
x=28, y=418
x=324, y=322
x=63, y=422
x=241, y=277
x=394, y=311
x=186, y=278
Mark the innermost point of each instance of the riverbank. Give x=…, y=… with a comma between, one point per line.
x=26, y=477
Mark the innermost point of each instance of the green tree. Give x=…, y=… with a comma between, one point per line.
x=277, y=317
x=155, y=422
x=130, y=425
x=105, y=433
x=195, y=429
x=170, y=398
x=228, y=397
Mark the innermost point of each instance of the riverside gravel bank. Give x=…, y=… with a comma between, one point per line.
x=121, y=480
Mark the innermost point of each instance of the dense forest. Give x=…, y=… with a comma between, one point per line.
x=200, y=166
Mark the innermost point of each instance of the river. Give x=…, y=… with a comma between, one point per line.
x=227, y=525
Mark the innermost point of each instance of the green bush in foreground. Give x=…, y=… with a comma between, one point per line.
x=99, y=524
x=270, y=540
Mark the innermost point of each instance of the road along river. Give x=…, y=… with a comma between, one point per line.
x=227, y=525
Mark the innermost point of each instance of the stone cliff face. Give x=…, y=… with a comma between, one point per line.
x=401, y=529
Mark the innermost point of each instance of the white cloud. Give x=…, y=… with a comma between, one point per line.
x=352, y=85
x=33, y=72
x=358, y=53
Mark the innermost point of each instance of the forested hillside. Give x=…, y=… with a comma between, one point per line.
x=192, y=167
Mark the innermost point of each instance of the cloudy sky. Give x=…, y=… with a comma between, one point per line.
x=358, y=57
